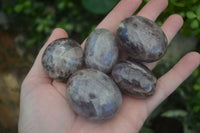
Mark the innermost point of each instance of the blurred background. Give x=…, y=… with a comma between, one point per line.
x=26, y=24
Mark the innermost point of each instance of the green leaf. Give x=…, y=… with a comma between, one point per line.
x=159, y=23
x=174, y=113
x=196, y=108
x=69, y=27
x=194, y=24
x=198, y=11
x=61, y=5
x=197, y=87
x=18, y=8
x=27, y=4
x=190, y=15
x=99, y=6
x=182, y=14
x=40, y=28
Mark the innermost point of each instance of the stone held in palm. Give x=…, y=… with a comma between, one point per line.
x=134, y=79
x=61, y=58
x=93, y=94
x=142, y=38
x=101, y=50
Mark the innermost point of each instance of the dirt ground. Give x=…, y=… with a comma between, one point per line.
x=13, y=68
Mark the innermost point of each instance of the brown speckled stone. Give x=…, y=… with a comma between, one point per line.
x=62, y=58
x=134, y=79
x=93, y=94
x=101, y=50
x=142, y=38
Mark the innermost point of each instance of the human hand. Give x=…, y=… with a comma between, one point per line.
x=43, y=104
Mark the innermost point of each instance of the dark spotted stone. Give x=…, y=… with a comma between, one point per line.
x=61, y=58
x=134, y=79
x=93, y=94
x=101, y=50
x=142, y=38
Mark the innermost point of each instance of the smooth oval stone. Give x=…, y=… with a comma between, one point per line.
x=142, y=38
x=101, y=50
x=93, y=94
x=134, y=79
x=61, y=58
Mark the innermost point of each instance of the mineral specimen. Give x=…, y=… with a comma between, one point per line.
x=61, y=58
x=93, y=94
x=101, y=50
x=142, y=38
x=134, y=79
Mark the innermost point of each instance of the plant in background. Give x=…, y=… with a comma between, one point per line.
x=190, y=11
x=183, y=105
x=36, y=19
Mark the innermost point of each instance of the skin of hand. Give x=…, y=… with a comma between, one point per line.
x=43, y=104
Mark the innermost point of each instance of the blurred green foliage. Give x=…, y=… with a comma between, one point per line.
x=184, y=103
x=35, y=20
x=189, y=10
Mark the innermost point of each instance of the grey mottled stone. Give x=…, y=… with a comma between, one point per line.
x=61, y=58
x=142, y=38
x=134, y=79
x=93, y=94
x=101, y=50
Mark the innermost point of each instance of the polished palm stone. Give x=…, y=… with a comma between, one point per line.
x=101, y=50
x=134, y=79
x=61, y=58
x=93, y=94
x=142, y=38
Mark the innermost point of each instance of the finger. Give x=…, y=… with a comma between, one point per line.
x=172, y=79
x=170, y=27
x=153, y=9
x=37, y=69
x=124, y=9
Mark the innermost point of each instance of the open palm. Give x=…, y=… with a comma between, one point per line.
x=43, y=104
